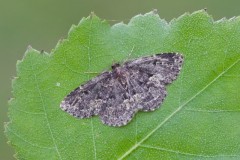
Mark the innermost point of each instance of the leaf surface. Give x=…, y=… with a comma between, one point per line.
x=199, y=118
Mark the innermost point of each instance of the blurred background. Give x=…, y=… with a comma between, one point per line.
x=42, y=23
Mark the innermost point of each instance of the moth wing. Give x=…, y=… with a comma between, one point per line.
x=83, y=102
x=148, y=92
x=118, y=114
x=165, y=65
x=118, y=107
x=150, y=75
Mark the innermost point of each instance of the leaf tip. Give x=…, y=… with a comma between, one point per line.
x=92, y=14
x=5, y=124
x=11, y=99
x=155, y=11
x=29, y=48
x=204, y=9
x=6, y=133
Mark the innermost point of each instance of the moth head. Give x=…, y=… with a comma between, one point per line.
x=118, y=71
x=116, y=65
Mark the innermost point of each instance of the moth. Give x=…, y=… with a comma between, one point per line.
x=117, y=95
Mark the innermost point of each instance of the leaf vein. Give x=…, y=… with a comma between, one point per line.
x=32, y=144
x=185, y=153
x=32, y=113
x=89, y=65
x=46, y=115
x=211, y=111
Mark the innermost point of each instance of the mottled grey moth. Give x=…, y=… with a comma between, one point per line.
x=117, y=95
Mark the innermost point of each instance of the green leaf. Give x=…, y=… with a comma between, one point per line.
x=199, y=119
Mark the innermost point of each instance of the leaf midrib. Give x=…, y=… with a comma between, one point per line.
x=175, y=112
